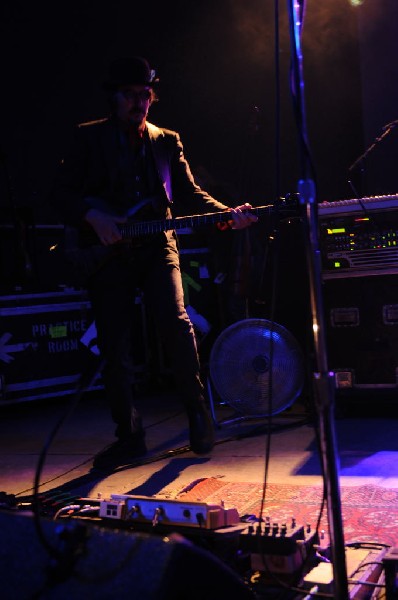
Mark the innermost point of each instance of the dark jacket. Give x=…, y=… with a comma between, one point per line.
x=91, y=170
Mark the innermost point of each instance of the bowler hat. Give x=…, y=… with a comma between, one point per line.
x=130, y=71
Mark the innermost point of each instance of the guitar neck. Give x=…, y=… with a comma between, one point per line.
x=134, y=229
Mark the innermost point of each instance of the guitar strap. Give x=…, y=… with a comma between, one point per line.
x=137, y=207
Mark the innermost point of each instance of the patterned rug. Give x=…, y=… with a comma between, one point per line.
x=369, y=512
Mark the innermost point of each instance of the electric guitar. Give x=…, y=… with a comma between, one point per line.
x=133, y=229
x=91, y=256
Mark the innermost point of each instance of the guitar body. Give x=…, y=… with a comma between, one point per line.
x=85, y=255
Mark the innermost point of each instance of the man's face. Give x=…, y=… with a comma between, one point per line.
x=132, y=104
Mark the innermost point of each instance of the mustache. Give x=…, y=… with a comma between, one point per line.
x=137, y=111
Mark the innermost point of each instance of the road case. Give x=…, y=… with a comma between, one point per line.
x=47, y=344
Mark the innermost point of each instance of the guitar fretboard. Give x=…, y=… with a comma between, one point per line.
x=134, y=229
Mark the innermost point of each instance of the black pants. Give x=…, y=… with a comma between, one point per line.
x=155, y=269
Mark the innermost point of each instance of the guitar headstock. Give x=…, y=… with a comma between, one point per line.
x=291, y=200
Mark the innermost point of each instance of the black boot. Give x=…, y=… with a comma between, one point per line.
x=201, y=430
x=122, y=452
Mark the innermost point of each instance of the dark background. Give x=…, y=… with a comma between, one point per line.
x=216, y=60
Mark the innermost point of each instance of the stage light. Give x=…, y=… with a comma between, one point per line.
x=356, y=2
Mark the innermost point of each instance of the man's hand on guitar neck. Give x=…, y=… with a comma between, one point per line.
x=105, y=226
x=242, y=217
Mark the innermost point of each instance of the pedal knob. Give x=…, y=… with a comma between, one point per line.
x=267, y=527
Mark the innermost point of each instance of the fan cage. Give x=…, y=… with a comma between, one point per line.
x=257, y=367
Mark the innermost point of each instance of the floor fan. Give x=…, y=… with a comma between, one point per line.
x=240, y=366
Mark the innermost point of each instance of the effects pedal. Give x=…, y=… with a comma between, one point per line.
x=280, y=548
x=155, y=511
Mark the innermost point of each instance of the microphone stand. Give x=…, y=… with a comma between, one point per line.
x=386, y=130
x=323, y=380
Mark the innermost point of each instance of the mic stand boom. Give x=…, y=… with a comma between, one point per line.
x=323, y=380
x=361, y=160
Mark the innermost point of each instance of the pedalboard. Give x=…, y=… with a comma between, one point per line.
x=265, y=546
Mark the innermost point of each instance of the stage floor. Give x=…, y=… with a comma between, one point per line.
x=366, y=445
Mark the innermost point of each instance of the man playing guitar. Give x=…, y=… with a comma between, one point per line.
x=117, y=166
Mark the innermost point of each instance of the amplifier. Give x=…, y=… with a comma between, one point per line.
x=361, y=323
x=359, y=237
x=32, y=262
x=358, y=241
